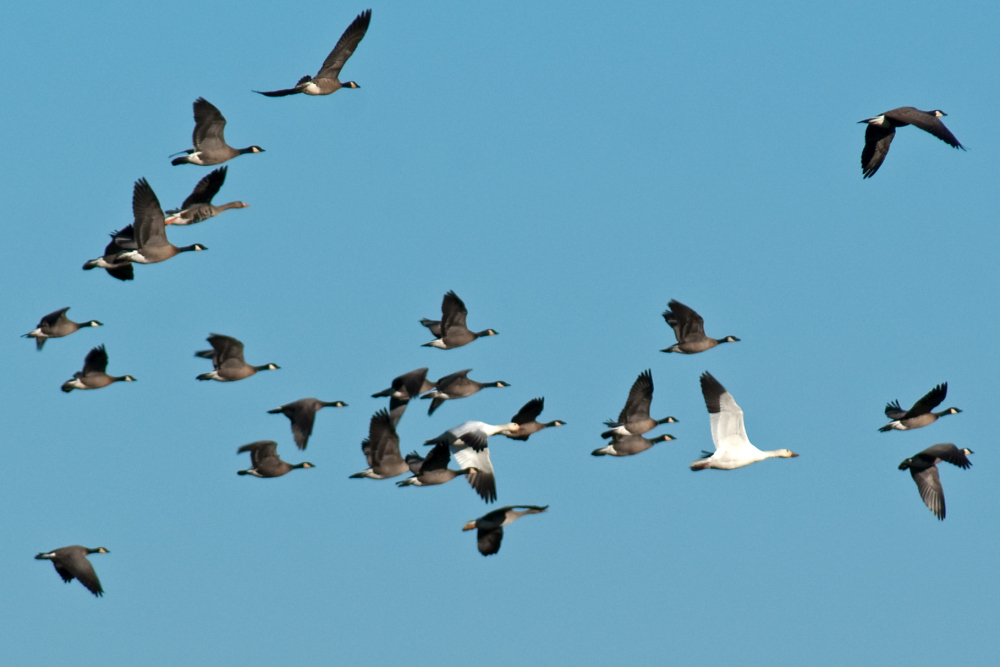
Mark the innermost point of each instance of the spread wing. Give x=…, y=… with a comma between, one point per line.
x=894, y=410
x=383, y=439
x=437, y=459
x=225, y=348
x=345, y=46
x=929, y=485
x=640, y=396
x=209, y=126
x=302, y=425
x=688, y=325
x=260, y=450
x=96, y=361
x=207, y=188
x=148, y=226
x=725, y=416
x=877, y=140
x=529, y=412
x=488, y=540
x=52, y=318
x=927, y=122
x=928, y=401
x=483, y=481
x=453, y=312
x=80, y=567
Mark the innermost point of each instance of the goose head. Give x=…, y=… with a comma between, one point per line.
x=730, y=339
x=350, y=84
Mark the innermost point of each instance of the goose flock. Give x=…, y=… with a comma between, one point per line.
x=145, y=242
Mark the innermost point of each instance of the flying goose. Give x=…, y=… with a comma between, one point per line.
x=227, y=357
x=111, y=260
x=210, y=145
x=302, y=413
x=404, y=387
x=433, y=469
x=732, y=448
x=264, y=461
x=923, y=468
x=56, y=325
x=326, y=81
x=450, y=330
x=689, y=329
x=882, y=128
x=920, y=414
x=71, y=563
x=627, y=445
x=381, y=449
x=457, y=385
x=468, y=443
x=527, y=419
x=150, y=236
x=93, y=376
x=198, y=206
x=634, y=418
x=490, y=525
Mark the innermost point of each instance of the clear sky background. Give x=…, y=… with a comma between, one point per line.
x=566, y=168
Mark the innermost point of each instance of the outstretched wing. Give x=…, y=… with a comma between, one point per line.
x=529, y=412
x=345, y=46
x=96, y=361
x=640, y=396
x=207, y=188
x=928, y=401
x=877, y=140
x=148, y=226
x=453, y=313
x=688, y=325
x=209, y=126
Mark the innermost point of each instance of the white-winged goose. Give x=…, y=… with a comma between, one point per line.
x=457, y=385
x=71, y=563
x=732, y=448
x=148, y=230
x=882, y=128
x=326, y=81
x=264, y=461
x=433, y=469
x=689, y=329
x=210, y=145
x=469, y=445
x=629, y=445
x=404, y=387
x=302, y=413
x=450, y=330
x=227, y=357
x=923, y=468
x=93, y=376
x=56, y=325
x=198, y=206
x=490, y=525
x=527, y=419
x=634, y=418
x=381, y=449
x=111, y=260
x=920, y=414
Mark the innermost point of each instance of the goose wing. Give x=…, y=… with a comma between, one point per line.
x=437, y=459
x=488, y=540
x=452, y=381
x=302, y=423
x=928, y=401
x=927, y=122
x=207, y=188
x=688, y=325
x=209, y=127
x=877, y=140
x=894, y=410
x=96, y=361
x=76, y=564
x=51, y=319
x=260, y=450
x=946, y=452
x=453, y=313
x=225, y=348
x=929, y=485
x=725, y=417
x=640, y=396
x=345, y=46
x=483, y=481
x=148, y=226
x=529, y=412
x=384, y=440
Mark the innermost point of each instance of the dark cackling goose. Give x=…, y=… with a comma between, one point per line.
x=634, y=418
x=457, y=385
x=689, y=329
x=302, y=413
x=527, y=419
x=381, y=449
x=433, y=469
x=198, y=206
x=490, y=525
x=450, y=330
x=71, y=563
x=732, y=448
x=93, y=376
x=326, y=81
x=56, y=325
x=469, y=445
x=264, y=461
x=923, y=468
x=227, y=357
x=210, y=145
x=920, y=414
x=882, y=128
x=148, y=231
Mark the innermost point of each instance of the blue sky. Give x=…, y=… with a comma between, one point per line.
x=566, y=169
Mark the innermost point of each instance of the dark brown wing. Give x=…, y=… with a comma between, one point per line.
x=928, y=401
x=260, y=450
x=488, y=540
x=877, y=140
x=927, y=122
x=437, y=459
x=894, y=410
x=302, y=425
x=77, y=565
x=453, y=312
x=384, y=440
x=946, y=452
x=639, y=399
x=209, y=126
x=96, y=361
x=529, y=412
x=929, y=485
x=226, y=348
x=207, y=188
x=345, y=46
x=148, y=227
x=687, y=324
x=53, y=317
